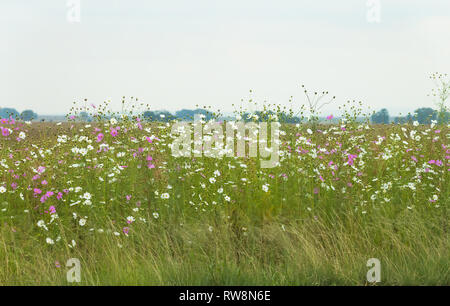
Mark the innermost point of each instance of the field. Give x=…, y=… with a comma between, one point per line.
x=110, y=193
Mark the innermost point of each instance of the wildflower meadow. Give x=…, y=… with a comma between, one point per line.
x=110, y=192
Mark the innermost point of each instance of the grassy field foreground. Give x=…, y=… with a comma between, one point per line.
x=303, y=253
x=111, y=194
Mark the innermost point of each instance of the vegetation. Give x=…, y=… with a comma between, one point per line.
x=381, y=117
x=111, y=194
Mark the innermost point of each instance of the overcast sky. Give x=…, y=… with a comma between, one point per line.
x=176, y=54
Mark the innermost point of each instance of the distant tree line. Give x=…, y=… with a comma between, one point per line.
x=26, y=115
x=184, y=114
x=380, y=117
x=423, y=115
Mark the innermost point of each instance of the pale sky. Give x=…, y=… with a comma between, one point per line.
x=175, y=54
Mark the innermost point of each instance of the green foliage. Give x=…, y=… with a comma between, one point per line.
x=424, y=115
x=9, y=112
x=381, y=117
x=28, y=115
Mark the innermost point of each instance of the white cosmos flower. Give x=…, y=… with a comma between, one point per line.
x=87, y=202
x=41, y=223
x=165, y=195
x=411, y=186
x=82, y=222
x=49, y=240
x=2, y=189
x=87, y=196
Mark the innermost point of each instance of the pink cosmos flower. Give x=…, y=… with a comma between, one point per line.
x=100, y=137
x=114, y=132
x=329, y=117
x=47, y=195
x=351, y=157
